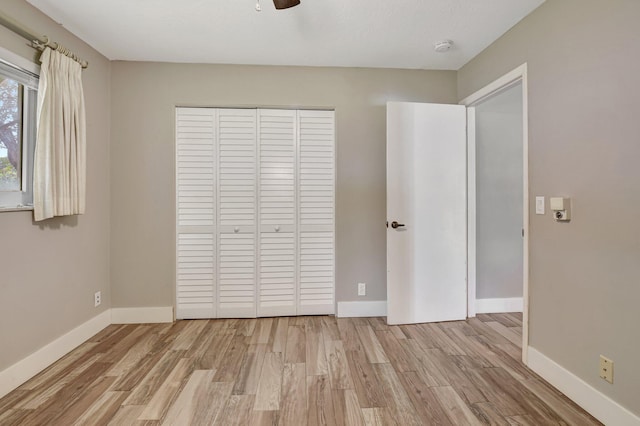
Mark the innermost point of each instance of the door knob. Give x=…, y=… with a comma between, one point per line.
x=236, y=229
x=396, y=225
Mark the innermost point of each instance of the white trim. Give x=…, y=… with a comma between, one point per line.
x=160, y=314
x=495, y=306
x=506, y=81
x=497, y=86
x=592, y=400
x=19, y=61
x=377, y=308
x=471, y=212
x=23, y=370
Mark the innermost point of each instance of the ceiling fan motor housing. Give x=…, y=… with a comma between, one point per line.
x=285, y=4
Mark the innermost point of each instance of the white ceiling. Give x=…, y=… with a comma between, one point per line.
x=346, y=33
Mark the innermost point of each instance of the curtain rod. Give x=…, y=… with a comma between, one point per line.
x=37, y=42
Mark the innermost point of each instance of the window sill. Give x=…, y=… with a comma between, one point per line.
x=16, y=209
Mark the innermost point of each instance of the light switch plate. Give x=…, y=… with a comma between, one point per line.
x=539, y=205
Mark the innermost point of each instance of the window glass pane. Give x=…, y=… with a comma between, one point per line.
x=10, y=134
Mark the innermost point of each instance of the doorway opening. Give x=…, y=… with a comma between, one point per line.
x=497, y=204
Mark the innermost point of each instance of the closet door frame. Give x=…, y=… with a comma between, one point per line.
x=297, y=229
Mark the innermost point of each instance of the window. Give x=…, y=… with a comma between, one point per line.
x=18, y=104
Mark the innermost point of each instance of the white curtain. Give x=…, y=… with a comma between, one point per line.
x=59, y=177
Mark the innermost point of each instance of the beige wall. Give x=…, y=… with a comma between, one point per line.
x=584, y=67
x=143, y=220
x=49, y=272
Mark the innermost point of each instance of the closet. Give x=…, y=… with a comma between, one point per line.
x=255, y=212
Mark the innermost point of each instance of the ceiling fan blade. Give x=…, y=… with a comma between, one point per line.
x=285, y=4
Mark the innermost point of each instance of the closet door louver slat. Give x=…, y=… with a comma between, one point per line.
x=195, y=213
x=237, y=198
x=277, y=293
x=316, y=232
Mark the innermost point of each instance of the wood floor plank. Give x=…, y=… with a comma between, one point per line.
x=454, y=407
x=168, y=391
x=296, y=345
x=270, y=382
x=280, y=337
x=264, y=418
x=483, y=329
x=397, y=332
x=61, y=368
x=395, y=352
x=231, y=362
x=14, y=417
x=507, y=320
x=367, y=385
x=427, y=405
x=237, y=411
x=398, y=402
x=522, y=421
x=330, y=331
x=352, y=411
x=189, y=335
x=41, y=395
x=293, y=406
x=200, y=402
x=506, y=333
x=378, y=416
x=144, y=391
x=339, y=372
x=262, y=332
x=373, y=349
x=102, y=410
x=348, y=334
x=134, y=354
x=74, y=411
x=320, y=402
x=315, y=355
x=126, y=415
x=212, y=357
x=441, y=339
x=246, y=382
x=13, y=398
x=425, y=364
x=564, y=407
x=487, y=413
x=71, y=396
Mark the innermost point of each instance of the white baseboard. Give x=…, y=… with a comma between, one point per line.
x=142, y=315
x=376, y=308
x=23, y=370
x=495, y=306
x=595, y=402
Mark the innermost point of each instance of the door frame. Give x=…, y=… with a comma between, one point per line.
x=512, y=78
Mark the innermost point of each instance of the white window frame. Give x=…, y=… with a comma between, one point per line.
x=23, y=199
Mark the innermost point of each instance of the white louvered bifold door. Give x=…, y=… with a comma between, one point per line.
x=277, y=292
x=316, y=207
x=195, y=213
x=237, y=199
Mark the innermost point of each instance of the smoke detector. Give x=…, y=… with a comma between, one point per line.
x=443, y=46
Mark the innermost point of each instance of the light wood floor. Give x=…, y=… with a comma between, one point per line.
x=295, y=371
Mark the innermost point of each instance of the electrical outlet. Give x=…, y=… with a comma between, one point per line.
x=606, y=369
x=97, y=298
x=362, y=289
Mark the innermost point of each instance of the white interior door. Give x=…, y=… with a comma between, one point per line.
x=237, y=222
x=426, y=213
x=277, y=289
